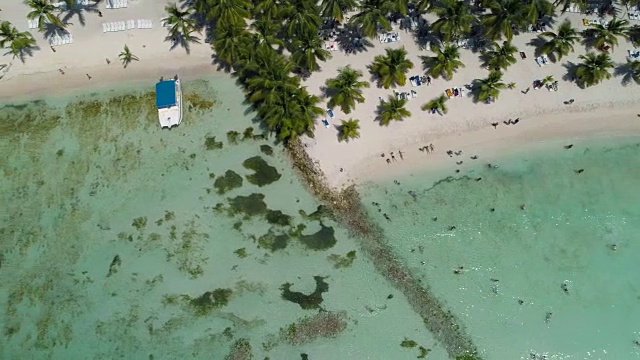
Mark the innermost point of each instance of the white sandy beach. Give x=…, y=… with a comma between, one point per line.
x=606, y=108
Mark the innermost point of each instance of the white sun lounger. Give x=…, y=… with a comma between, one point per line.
x=539, y=61
x=122, y=26
x=33, y=24
x=633, y=54
x=131, y=24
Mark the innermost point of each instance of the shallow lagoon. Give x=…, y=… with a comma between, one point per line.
x=120, y=240
x=516, y=258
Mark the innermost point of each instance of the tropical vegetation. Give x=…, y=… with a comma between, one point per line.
x=345, y=89
x=500, y=57
x=488, y=89
x=445, y=62
x=438, y=104
x=392, y=110
x=126, y=56
x=594, y=69
x=349, y=129
x=391, y=69
x=19, y=43
x=603, y=36
x=630, y=71
x=181, y=26
x=454, y=19
x=560, y=43
x=43, y=11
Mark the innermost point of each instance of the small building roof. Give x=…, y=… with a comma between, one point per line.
x=166, y=94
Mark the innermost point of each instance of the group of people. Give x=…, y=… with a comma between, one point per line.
x=393, y=157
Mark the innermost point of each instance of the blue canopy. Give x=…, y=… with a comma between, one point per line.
x=166, y=93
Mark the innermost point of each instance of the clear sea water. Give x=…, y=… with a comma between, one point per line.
x=113, y=245
x=522, y=231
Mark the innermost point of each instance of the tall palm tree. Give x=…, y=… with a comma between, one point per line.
x=182, y=26
x=445, y=63
x=629, y=71
x=301, y=18
x=307, y=49
x=565, y=4
x=560, y=43
x=538, y=9
x=593, y=69
x=391, y=69
x=372, y=14
x=345, y=89
x=73, y=7
x=43, y=10
x=126, y=56
x=392, y=109
x=269, y=9
x=439, y=104
x=454, y=19
x=229, y=11
x=19, y=43
x=607, y=35
x=230, y=42
x=490, y=87
x=335, y=9
x=500, y=57
x=504, y=16
x=269, y=76
x=266, y=29
x=349, y=129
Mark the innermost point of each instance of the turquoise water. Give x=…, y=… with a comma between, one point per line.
x=115, y=242
x=515, y=259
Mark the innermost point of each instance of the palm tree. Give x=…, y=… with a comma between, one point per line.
x=607, y=35
x=489, y=88
x=126, y=56
x=560, y=43
x=268, y=76
x=439, y=104
x=391, y=69
x=307, y=49
x=454, y=19
x=349, y=129
x=445, y=63
x=345, y=89
x=500, y=57
x=593, y=69
x=538, y=9
x=73, y=7
x=564, y=4
x=548, y=79
x=267, y=31
x=504, y=17
x=18, y=43
x=230, y=43
x=301, y=18
x=372, y=15
x=43, y=11
x=335, y=9
x=229, y=11
x=392, y=109
x=182, y=25
x=629, y=71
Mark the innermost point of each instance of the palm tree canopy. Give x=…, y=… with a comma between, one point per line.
x=565, y=4
x=301, y=18
x=490, y=87
x=539, y=7
x=346, y=89
x=629, y=71
x=504, y=16
x=392, y=109
x=439, y=103
x=501, y=57
x=349, y=129
x=43, y=10
x=180, y=21
x=561, y=42
x=229, y=11
x=307, y=49
x=454, y=19
x=444, y=64
x=230, y=42
x=126, y=56
x=372, y=14
x=594, y=68
x=336, y=8
x=607, y=35
x=391, y=69
x=18, y=43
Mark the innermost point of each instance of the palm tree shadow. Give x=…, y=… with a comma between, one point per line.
x=589, y=39
x=570, y=75
x=182, y=40
x=424, y=37
x=354, y=41
x=626, y=72
x=24, y=52
x=79, y=10
x=475, y=87
x=537, y=43
x=52, y=30
x=221, y=64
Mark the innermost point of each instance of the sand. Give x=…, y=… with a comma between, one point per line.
x=607, y=108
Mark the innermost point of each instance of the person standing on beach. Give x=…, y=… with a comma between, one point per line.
x=400, y=153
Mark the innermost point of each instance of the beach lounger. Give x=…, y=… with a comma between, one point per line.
x=539, y=61
x=104, y=27
x=109, y=4
x=414, y=93
x=139, y=24
x=131, y=24
x=523, y=55
x=330, y=113
x=325, y=122
x=122, y=25
x=633, y=54
x=461, y=89
x=413, y=82
x=545, y=59
x=449, y=92
x=418, y=81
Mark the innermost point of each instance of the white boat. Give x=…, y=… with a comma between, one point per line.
x=169, y=102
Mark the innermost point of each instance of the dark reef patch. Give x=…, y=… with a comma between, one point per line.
x=264, y=174
x=273, y=241
x=306, y=302
x=322, y=239
x=342, y=261
x=251, y=205
x=266, y=149
x=227, y=182
x=210, y=300
x=321, y=213
x=210, y=143
x=277, y=217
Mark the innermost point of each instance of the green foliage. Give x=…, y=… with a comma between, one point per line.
x=500, y=57
x=277, y=217
x=229, y=181
x=126, y=56
x=607, y=35
x=210, y=143
x=210, y=300
x=406, y=343
x=232, y=137
x=503, y=17
x=444, y=63
x=439, y=103
x=392, y=109
x=490, y=87
x=273, y=241
x=340, y=261
x=372, y=14
x=345, y=89
x=423, y=352
x=391, y=69
x=630, y=71
x=19, y=43
x=349, y=129
x=593, y=69
x=454, y=19
x=251, y=205
x=266, y=149
x=241, y=253
x=561, y=42
x=264, y=174
x=139, y=223
x=43, y=11
x=181, y=24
